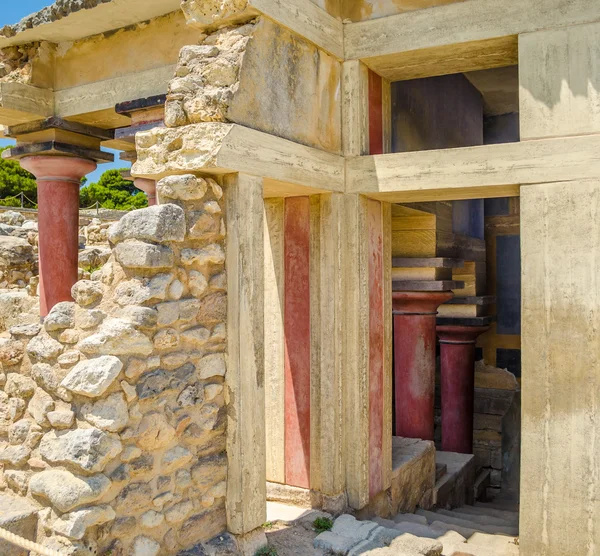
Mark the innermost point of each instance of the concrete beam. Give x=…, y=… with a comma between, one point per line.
x=20, y=103
x=473, y=172
x=457, y=37
x=220, y=148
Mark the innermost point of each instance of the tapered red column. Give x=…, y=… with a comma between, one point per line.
x=148, y=187
x=457, y=358
x=414, y=361
x=59, y=180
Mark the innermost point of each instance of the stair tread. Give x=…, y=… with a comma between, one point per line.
x=506, y=506
x=468, y=524
x=482, y=517
x=410, y=518
x=502, y=514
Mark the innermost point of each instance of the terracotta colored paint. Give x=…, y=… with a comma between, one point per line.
x=297, y=341
x=58, y=180
x=375, y=114
x=457, y=358
x=376, y=348
x=414, y=361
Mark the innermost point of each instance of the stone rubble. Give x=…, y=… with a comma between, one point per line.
x=112, y=414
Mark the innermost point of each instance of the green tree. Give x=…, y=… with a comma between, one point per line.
x=13, y=181
x=112, y=192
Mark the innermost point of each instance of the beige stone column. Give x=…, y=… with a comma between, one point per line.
x=246, y=482
x=560, y=239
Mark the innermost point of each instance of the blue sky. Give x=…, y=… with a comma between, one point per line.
x=11, y=12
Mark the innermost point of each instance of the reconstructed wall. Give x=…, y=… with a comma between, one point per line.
x=112, y=414
x=361, y=10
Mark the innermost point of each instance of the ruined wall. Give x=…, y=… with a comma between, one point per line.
x=112, y=419
x=262, y=76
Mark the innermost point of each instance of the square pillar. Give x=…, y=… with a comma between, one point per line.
x=245, y=393
x=560, y=245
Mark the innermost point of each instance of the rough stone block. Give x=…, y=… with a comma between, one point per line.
x=19, y=517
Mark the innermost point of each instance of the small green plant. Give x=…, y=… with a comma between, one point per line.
x=322, y=524
x=266, y=551
x=268, y=525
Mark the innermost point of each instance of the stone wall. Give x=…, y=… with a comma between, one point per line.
x=112, y=416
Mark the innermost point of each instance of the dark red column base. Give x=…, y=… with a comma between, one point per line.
x=457, y=354
x=414, y=361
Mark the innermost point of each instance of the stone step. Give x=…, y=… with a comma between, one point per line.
x=499, y=504
x=440, y=470
x=493, y=529
x=18, y=516
x=512, y=517
x=481, y=518
x=482, y=481
x=416, y=529
x=499, y=543
x=410, y=518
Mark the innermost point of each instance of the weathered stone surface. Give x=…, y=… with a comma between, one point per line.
x=75, y=524
x=176, y=458
x=212, y=254
x=151, y=519
x=19, y=386
x=109, y=414
x=116, y=337
x=43, y=347
x=40, y=405
x=93, y=377
x=159, y=223
x=133, y=498
x=88, y=449
x=141, y=255
x=140, y=291
x=68, y=358
x=212, y=365
x=209, y=471
x=12, y=218
x=15, y=252
x=185, y=188
x=87, y=292
x=25, y=330
x=61, y=316
x=202, y=527
x=197, y=283
x=154, y=432
x=66, y=491
x=166, y=339
x=178, y=512
x=18, y=309
x=94, y=257
x=15, y=456
x=206, y=14
x=144, y=546
x=11, y=351
x=18, y=516
x=61, y=419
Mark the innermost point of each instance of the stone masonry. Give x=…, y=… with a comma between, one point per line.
x=112, y=417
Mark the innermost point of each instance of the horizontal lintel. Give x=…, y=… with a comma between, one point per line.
x=473, y=172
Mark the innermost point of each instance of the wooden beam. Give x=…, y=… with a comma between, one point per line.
x=225, y=148
x=473, y=172
x=379, y=41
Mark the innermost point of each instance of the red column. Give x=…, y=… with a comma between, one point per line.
x=297, y=341
x=59, y=180
x=148, y=187
x=457, y=354
x=414, y=361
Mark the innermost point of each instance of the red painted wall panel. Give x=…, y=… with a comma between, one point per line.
x=375, y=113
x=297, y=341
x=376, y=347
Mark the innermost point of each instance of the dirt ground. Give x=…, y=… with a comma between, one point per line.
x=291, y=540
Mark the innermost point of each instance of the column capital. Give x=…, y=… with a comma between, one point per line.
x=58, y=168
x=419, y=303
x=457, y=334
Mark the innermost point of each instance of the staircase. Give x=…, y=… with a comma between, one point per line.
x=484, y=529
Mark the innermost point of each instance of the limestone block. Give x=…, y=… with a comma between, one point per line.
x=92, y=258
x=208, y=13
x=19, y=517
x=61, y=316
x=185, y=188
x=86, y=293
x=151, y=519
x=92, y=378
x=158, y=223
x=43, y=347
x=88, y=449
x=75, y=524
x=212, y=365
x=61, y=419
x=40, y=405
x=109, y=414
x=140, y=291
x=210, y=471
x=175, y=458
x=18, y=309
x=201, y=527
x=12, y=218
x=116, y=337
x=66, y=491
x=212, y=254
x=19, y=386
x=154, y=432
x=145, y=546
x=137, y=254
x=15, y=456
x=133, y=498
x=11, y=351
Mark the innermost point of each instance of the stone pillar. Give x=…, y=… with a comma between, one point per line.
x=245, y=393
x=414, y=361
x=457, y=356
x=560, y=241
x=58, y=179
x=148, y=187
